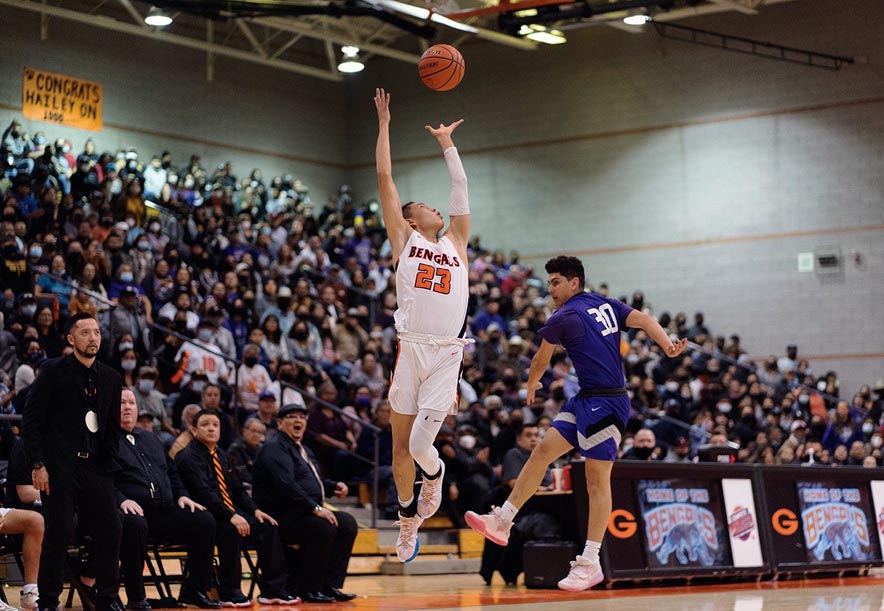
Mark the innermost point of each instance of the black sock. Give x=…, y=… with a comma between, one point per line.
x=438, y=473
x=411, y=510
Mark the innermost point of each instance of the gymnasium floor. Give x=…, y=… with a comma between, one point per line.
x=442, y=593
x=447, y=592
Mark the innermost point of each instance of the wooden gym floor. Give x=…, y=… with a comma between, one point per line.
x=446, y=592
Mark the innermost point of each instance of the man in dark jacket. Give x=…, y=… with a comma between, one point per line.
x=71, y=431
x=154, y=503
x=287, y=484
x=207, y=472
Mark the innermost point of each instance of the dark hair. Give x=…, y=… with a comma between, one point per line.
x=568, y=267
x=75, y=319
x=405, y=213
x=522, y=428
x=205, y=412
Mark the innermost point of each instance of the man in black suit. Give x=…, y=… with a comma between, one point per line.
x=288, y=486
x=207, y=472
x=71, y=431
x=154, y=503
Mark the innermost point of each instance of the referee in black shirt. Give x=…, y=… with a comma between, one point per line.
x=71, y=431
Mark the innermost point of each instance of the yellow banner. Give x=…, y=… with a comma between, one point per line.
x=65, y=100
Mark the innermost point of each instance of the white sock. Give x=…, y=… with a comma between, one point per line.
x=407, y=502
x=591, y=551
x=508, y=511
x=29, y=587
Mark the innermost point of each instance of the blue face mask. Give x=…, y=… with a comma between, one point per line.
x=143, y=245
x=145, y=386
x=36, y=252
x=126, y=277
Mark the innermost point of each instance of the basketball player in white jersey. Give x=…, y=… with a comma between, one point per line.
x=431, y=292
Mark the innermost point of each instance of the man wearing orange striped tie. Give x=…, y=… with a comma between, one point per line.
x=211, y=480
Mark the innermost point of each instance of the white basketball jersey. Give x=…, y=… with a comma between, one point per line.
x=432, y=288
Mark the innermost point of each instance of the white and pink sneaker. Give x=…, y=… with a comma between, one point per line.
x=491, y=525
x=582, y=576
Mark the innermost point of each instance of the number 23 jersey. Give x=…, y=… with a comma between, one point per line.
x=432, y=288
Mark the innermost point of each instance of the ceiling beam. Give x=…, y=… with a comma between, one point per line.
x=244, y=28
x=735, y=5
x=101, y=21
x=295, y=27
x=136, y=16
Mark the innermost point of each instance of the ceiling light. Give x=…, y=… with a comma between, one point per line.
x=351, y=62
x=636, y=20
x=157, y=18
x=539, y=33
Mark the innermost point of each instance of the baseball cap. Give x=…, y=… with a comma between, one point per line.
x=266, y=395
x=798, y=424
x=284, y=291
x=129, y=290
x=492, y=327
x=289, y=408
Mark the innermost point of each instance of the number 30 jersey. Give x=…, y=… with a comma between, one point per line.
x=588, y=327
x=432, y=288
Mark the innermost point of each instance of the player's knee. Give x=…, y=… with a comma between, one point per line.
x=418, y=446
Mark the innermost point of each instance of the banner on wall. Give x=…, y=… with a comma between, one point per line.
x=742, y=522
x=683, y=524
x=61, y=99
x=835, y=523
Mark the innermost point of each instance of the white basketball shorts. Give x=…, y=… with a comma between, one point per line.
x=425, y=377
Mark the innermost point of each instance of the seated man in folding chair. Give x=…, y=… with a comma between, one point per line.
x=209, y=475
x=154, y=503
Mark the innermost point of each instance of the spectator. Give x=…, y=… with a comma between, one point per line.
x=151, y=401
x=644, y=447
x=244, y=450
x=252, y=379
x=267, y=411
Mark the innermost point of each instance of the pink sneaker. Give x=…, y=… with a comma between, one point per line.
x=431, y=494
x=492, y=526
x=583, y=575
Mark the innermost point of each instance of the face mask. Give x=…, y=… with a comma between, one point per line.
x=204, y=334
x=28, y=311
x=284, y=303
x=868, y=427
x=154, y=227
x=821, y=386
x=36, y=252
x=558, y=394
x=803, y=399
x=363, y=401
x=632, y=359
x=877, y=442
x=65, y=149
x=145, y=386
x=127, y=277
x=287, y=376
x=686, y=395
x=247, y=224
x=671, y=386
x=39, y=140
x=300, y=334
x=126, y=346
x=250, y=361
x=198, y=386
x=523, y=394
x=467, y=442
x=143, y=245
x=724, y=408
x=642, y=453
x=35, y=357
x=116, y=186
x=128, y=364
x=59, y=272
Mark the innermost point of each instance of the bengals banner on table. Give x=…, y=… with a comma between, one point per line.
x=61, y=99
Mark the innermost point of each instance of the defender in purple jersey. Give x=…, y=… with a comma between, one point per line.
x=588, y=327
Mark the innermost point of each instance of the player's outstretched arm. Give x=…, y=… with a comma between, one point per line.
x=459, y=202
x=539, y=364
x=391, y=206
x=640, y=320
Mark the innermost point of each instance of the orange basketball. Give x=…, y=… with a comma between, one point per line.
x=441, y=67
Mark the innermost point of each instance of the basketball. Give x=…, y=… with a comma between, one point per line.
x=441, y=67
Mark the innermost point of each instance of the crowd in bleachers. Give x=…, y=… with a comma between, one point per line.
x=231, y=293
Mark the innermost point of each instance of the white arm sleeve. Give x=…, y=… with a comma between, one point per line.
x=459, y=204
